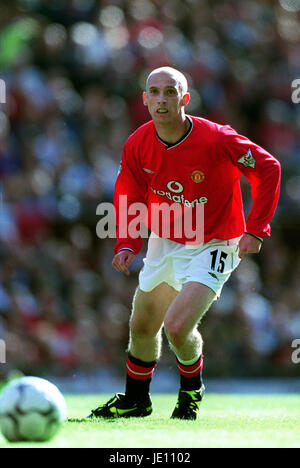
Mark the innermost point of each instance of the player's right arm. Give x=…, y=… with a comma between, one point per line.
x=130, y=188
x=122, y=261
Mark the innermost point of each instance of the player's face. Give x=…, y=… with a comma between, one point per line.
x=164, y=98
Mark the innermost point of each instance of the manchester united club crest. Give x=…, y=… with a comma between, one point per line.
x=197, y=176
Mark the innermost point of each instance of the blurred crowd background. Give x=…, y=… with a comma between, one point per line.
x=74, y=72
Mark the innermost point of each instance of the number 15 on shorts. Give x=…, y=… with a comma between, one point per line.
x=218, y=260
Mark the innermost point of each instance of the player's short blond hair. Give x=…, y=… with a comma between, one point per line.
x=179, y=77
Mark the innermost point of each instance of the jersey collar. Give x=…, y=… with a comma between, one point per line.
x=181, y=140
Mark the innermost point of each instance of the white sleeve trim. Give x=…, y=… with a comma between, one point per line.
x=125, y=248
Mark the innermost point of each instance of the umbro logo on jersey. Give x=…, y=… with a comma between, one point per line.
x=247, y=159
x=148, y=170
x=197, y=176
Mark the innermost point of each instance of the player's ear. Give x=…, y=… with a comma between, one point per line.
x=186, y=98
x=145, y=98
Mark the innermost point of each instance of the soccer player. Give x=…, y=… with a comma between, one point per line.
x=192, y=164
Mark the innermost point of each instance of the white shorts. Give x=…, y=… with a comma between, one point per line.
x=176, y=264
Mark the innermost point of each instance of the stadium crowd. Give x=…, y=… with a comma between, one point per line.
x=74, y=71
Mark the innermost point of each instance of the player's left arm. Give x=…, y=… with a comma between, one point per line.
x=263, y=172
x=249, y=244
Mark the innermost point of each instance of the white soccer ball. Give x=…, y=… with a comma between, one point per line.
x=31, y=409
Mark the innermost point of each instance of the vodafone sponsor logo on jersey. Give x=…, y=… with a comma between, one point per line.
x=177, y=189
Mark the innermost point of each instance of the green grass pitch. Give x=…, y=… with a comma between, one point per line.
x=224, y=421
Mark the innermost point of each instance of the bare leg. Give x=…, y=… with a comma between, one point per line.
x=182, y=317
x=149, y=310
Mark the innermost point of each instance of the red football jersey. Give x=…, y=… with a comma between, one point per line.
x=202, y=168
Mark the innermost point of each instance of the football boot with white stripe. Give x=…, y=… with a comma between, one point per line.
x=120, y=407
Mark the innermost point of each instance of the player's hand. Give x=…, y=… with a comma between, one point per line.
x=248, y=244
x=122, y=261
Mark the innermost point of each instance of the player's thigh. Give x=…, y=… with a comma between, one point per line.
x=149, y=308
x=188, y=307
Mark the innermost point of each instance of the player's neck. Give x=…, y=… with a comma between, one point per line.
x=173, y=131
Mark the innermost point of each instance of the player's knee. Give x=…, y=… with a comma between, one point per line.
x=176, y=333
x=140, y=329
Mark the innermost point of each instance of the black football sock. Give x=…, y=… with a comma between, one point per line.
x=138, y=378
x=191, y=375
